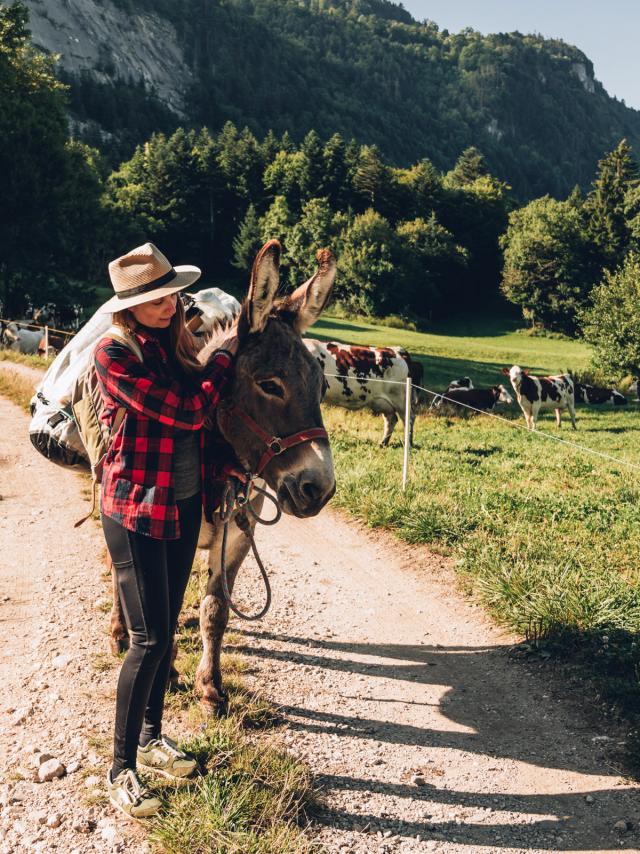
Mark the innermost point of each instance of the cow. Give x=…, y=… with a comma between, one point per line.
x=463, y=382
x=484, y=399
x=595, y=395
x=360, y=377
x=536, y=394
x=15, y=337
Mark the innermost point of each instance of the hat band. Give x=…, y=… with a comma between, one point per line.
x=149, y=286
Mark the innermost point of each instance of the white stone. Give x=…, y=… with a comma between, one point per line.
x=61, y=660
x=20, y=715
x=50, y=769
x=72, y=766
x=92, y=782
x=54, y=820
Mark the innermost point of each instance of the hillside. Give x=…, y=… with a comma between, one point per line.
x=364, y=68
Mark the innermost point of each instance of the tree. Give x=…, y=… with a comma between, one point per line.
x=433, y=265
x=44, y=182
x=547, y=267
x=617, y=174
x=612, y=323
x=248, y=241
x=469, y=166
x=368, y=280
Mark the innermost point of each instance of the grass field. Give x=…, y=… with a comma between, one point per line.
x=545, y=535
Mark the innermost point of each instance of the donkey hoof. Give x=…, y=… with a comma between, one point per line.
x=118, y=645
x=214, y=707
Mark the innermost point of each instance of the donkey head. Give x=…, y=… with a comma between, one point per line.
x=279, y=385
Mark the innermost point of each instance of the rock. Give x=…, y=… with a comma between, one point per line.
x=20, y=827
x=590, y=799
x=82, y=825
x=39, y=759
x=108, y=831
x=19, y=716
x=41, y=817
x=61, y=660
x=54, y=820
x=50, y=769
x=418, y=780
x=93, y=782
x=73, y=766
x=622, y=826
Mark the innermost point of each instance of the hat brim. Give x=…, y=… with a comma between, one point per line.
x=186, y=275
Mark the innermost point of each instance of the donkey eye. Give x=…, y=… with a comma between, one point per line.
x=271, y=388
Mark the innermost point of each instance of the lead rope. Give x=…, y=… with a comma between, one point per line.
x=233, y=498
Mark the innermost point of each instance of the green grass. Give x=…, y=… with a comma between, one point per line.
x=252, y=797
x=32, y=360
x=546, y=536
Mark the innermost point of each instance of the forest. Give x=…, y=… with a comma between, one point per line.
x=413, y=241
x=366, y=69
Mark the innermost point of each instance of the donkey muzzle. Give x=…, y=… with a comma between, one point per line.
x=305, y=493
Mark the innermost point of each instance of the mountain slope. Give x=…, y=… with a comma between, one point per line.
x=360, y=67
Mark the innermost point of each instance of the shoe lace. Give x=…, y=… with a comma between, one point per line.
x=171, y=747
x=133, y=787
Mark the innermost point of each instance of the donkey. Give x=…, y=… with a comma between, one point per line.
x=276, y=391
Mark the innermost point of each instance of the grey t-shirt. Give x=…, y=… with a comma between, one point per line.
x=186, y=463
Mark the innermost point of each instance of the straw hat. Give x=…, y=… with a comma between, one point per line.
x=145, y=274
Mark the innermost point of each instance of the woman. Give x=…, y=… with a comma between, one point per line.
x=151, y=498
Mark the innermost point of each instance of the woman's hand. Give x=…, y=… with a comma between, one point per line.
x=230, y=344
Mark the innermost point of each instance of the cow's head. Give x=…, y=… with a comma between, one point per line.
x=515, y=374
x=502, y=395
x=279, y=384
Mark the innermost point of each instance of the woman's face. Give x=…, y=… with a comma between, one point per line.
x=156, y=313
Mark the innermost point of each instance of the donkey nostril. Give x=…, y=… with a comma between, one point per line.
x=310, y=490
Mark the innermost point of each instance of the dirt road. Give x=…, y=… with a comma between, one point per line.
x=422, y=731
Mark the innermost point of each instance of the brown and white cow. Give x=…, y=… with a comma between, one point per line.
x=536, y=394
x=594, y=395
x=360, y=377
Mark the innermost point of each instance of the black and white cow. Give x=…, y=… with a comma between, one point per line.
x=373, y=378
x=594, y=395
x=484, y=399
x=463, y=382
x=540, y=394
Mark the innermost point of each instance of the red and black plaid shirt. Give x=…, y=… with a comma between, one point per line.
x=137, y=481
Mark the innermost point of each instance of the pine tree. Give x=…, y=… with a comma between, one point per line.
x=617, y=174
x=469, y=166
x=248, y=240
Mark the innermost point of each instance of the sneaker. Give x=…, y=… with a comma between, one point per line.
x=128, y=794
x=163, y=756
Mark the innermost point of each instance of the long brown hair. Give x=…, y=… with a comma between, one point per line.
x=183, y=341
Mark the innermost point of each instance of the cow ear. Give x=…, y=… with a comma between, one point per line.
x=265, y=278
x=505, y=371
x=307, y=302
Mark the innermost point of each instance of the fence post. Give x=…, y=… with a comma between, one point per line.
x=407, y=432
x=46, y=341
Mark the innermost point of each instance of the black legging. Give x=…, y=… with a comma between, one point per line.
x=152, y=576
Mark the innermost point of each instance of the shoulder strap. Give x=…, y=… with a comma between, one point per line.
x=125, y=338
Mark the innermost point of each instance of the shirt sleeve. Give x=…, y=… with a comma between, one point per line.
x=125, y=379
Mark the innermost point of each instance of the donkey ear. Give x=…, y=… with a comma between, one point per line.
x=265, y=278
x=307, y=302
x=505, y=371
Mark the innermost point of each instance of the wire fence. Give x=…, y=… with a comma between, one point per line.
x=438, y=395
x=46, y=330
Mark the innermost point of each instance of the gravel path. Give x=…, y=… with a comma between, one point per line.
x=423, y=732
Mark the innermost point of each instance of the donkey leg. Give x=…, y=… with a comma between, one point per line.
x=214, y=612
x=118, y=633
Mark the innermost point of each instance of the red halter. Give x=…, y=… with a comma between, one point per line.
x=276, y=445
